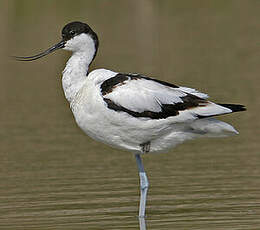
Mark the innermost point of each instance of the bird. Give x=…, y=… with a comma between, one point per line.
x=132, y=111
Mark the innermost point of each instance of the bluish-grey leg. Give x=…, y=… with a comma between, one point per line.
x=142, y=223
x=144, y=184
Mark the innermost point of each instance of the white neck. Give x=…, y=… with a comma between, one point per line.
x=75, y=72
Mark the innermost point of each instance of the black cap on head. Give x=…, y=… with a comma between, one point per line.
x=69, y=31
x=73, y=29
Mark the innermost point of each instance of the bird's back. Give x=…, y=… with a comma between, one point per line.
x=127, y=110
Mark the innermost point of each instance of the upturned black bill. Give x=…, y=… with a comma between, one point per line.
x=59, y=45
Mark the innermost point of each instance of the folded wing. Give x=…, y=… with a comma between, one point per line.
x=144, y=97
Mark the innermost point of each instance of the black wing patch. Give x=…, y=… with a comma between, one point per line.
x=234, y=107
x=118, y=80
x=167, y=110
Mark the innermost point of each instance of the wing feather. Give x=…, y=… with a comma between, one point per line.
x=145, y=97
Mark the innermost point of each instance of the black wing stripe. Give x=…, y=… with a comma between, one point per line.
x=167, y=110
x=108, y=85
x=111, y=83
x=234, y=107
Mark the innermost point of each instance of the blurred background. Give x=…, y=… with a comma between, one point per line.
x=52, y=176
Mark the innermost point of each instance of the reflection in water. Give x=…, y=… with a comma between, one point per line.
x=142, y=223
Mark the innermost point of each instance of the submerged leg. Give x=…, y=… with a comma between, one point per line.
x=142, y=223
x=144, y=184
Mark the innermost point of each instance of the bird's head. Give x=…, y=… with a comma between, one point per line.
x=76, y=37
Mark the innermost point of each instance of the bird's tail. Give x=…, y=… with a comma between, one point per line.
x=234, y=107
x=211, y=127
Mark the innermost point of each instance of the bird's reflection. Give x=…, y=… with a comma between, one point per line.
x=142, y=223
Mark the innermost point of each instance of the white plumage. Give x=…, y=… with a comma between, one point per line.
x=127, y=132
x=131, y=111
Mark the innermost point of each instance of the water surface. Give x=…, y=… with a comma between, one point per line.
x=54, y=177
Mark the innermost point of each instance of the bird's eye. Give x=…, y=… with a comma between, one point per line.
x=72, y=32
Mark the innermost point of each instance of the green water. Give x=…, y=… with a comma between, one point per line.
x=52, y=176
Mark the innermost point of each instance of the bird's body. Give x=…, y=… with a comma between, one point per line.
x=126, y=128
x=132, y=111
